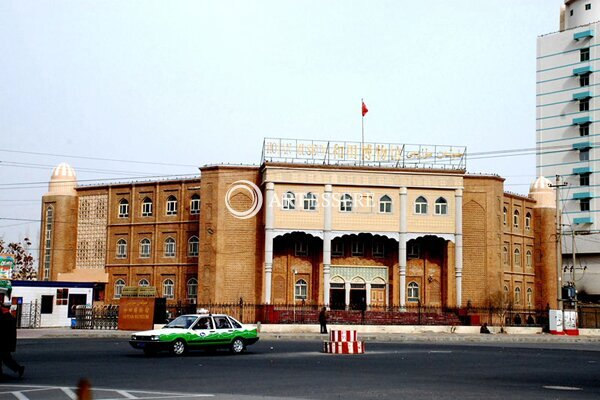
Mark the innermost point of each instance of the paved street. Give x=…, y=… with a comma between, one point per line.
x=296, y=369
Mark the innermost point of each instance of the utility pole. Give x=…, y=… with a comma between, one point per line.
x=574, y=267
x=559, y=267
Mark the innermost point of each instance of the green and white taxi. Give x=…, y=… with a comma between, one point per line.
x=196, y=331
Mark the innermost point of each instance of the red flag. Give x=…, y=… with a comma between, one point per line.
x=364, y=109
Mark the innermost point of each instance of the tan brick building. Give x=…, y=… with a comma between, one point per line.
x=340, y=235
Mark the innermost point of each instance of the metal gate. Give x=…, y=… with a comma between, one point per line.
x=29, y=315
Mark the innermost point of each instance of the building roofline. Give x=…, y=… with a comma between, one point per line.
x=93, y=186
x=368, y=168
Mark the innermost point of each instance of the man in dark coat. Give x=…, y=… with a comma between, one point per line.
x=8, y=340
x=323, y=320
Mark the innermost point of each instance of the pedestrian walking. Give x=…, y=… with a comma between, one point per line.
x=323, y=320
x=8, y=341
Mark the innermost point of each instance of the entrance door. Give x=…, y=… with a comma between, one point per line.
x=337, y=299
x=377, y=296
x=358, y=299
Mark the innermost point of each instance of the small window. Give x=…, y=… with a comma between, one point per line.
x=143, y=282
x=192, y=288
x=121, y=248
x=584, y=155
x=47, y=304
x=584, y=180
x=193, y=246
x=337, y=248
x=517, y=295
x=300, y=290
x=145, y=248
x=358, y=248
x=378, y=249
x=528, y=221
x=123, y=208
x=119, y=285
x=584, y=204
x=346, y=203
x=310, y=201
x=62, y=297
x=584, y=130
x=413, y=250
x=584, y=54
x=505, y=255
x=441, y=206
x=168, y=289
x=571, y=13
x=516, y=219
x=584, y=80
x=289, y=201
x=147, y=207
x=421, y=205
x=504, y=216
x=529, y=296
x=587, y=6
x=584, y=105
x=528, y=258
x=517, y=257
x=170, y=247
x=385, y=204
x=505, y=293
x=301, y=248
x=413, y=291
x=171, y=205
x=195, y=205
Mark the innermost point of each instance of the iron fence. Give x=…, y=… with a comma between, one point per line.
x=97, y=317
x=29, y=315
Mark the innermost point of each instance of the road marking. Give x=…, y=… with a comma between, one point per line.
x=126, y=394
x=440, y=351
x=69, y=393
x=20, y=393
x=20, y=396
x=570, y=388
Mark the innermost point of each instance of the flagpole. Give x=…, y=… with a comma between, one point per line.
x=362, y=140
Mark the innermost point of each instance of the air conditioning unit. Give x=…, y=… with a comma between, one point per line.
x=192, y=301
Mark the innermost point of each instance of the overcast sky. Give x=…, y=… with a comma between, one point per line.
x=189, y=83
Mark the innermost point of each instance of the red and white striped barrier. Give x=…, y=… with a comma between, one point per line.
x=343, y=342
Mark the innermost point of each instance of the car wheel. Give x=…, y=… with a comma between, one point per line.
x=237, y=346
x=178, y=347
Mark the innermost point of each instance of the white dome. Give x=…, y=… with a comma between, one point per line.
x=541, y=191
x=63, y=181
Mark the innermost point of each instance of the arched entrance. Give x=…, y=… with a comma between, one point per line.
x=358, y=294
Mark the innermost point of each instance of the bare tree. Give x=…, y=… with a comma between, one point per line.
x=500, y=304
x=24, y=269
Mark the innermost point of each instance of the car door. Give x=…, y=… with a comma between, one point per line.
x=224, y=329
x=204, y=332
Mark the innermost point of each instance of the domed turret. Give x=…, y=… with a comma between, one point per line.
x=541, y=191
x=62, y=181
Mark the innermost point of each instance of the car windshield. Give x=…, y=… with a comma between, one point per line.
x=184, y=321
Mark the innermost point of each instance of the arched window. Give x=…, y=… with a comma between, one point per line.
x=123, y=208
x=195, y=205
x=171, y=205
x=143, y=282
x=121, y=248
x=168, y=289
x=385, y=204
x=504, y=215
x=310, y=201
x=300, y=290
x=517, y=257
x=528, y=258
x=505, y=255
x=413, y=291
x=516, y=219
x=48, y=241
x=441, y=206
x=147, y=207
x=517, y=295
x=289, y=201
x=505, y=294
x=346, y=203
x=192, y=288
x=529, y=296
x=119, y=285
x=193, y=246
x=169, y=247
x=528, y=221
x=145, y=248
x=421, y=205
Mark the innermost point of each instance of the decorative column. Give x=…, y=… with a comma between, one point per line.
x=268, y=241
x=402, y=245
x=458, y=196
x=347, y=289
x=368, y=299
x=327, y=243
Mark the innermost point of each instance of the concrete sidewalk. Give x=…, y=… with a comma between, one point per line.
x=431, y=334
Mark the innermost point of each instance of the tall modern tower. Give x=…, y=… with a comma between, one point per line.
x=568, y=128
